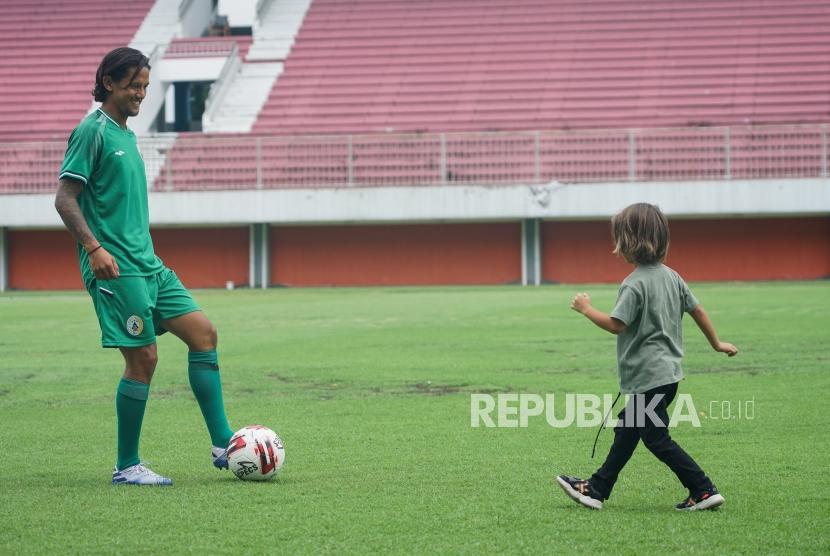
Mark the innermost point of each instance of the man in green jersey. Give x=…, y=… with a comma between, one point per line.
x=102, y=199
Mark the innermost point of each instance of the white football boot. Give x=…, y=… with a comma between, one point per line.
x=139, y=475
x=220, y=457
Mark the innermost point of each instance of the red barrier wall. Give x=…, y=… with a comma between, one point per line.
x=751, y=249
x=476, y=253
x=42, y=260
x=202, y=258
x=205, y=257
x=711, y=249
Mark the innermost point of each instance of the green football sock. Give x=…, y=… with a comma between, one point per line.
x=130, y=401
x=203, y=371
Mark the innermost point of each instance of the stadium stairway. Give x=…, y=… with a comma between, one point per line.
x=246, y=92
x=159, y=27
x=276, y=30
x=247, y=88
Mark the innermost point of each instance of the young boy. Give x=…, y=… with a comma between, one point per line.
x=647, y=322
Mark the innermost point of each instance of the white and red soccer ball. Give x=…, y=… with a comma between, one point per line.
x=255, y=453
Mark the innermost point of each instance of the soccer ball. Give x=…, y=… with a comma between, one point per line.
x=255, y=453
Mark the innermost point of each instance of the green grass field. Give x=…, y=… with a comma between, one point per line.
x=370, y=390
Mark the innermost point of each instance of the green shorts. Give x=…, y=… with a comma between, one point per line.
x=131, y=309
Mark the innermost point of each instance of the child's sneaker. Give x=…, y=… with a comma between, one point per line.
x=139, y=475
x=220, y=457
x=706, y=500
x=581, y=491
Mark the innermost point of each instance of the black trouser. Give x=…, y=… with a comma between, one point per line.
x=657, y=440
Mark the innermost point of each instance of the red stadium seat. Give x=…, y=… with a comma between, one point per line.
x=50, y=53
x=366, y=66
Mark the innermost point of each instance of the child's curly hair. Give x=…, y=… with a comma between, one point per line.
x=116, y=64
x=641, y=234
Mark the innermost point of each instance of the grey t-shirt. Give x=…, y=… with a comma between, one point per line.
x=651, y=303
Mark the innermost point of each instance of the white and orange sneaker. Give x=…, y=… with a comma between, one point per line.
x=709, y=499
x=580, y=491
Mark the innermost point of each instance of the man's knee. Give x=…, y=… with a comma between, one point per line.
x=150, y=359
x=145, y=358
x=141, y=363
x=206, y=340
x=212, y=336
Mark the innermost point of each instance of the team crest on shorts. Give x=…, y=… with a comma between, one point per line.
x=135, y=325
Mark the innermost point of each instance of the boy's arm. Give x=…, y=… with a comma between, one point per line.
x=705, y=325
x=582, y=304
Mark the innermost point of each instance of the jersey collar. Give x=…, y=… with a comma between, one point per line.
x=107, y=116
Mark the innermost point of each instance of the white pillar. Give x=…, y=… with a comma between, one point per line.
x=531, y=253
x=259, y=259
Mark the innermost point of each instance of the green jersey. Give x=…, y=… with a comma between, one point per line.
x=651, y=303
x=105, y=158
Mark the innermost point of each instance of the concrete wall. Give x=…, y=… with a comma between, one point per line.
x=456, y=203
x=701, y=249
x=206, y=68
x=444, y=235
x=195, y=17
x=241, y=13
x=442, y=253
x=410, y=254
x=202, y=257
x=205, y=257
x=42, y=260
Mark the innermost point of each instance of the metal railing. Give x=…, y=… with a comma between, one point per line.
x=245, y=161
x=201, y=47
x=223, y=83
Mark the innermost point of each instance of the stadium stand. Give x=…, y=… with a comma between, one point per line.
x=50, y=53
x=352, y=93
x=248, y=161
x=369, y=67
x=366, y=66
x=394, y=92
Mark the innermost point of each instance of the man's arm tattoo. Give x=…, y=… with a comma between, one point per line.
x=66, y=203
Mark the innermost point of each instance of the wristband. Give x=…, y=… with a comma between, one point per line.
x=94, y=250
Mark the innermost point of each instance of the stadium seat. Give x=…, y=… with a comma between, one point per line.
x=398, y=69
x=50, y=53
